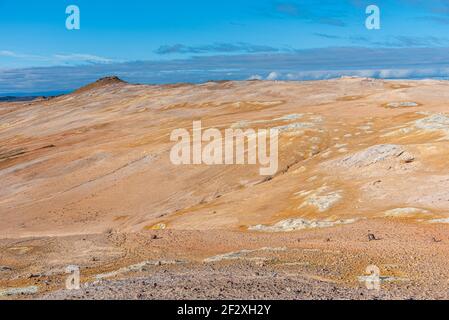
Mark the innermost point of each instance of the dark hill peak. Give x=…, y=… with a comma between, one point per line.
x=102, y=82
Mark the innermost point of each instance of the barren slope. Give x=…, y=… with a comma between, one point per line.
x=351, y=151
x=98, y=158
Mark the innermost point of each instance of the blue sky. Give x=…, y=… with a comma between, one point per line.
x=197, y=40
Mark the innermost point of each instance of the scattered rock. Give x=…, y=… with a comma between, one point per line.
x=320, y=198
x=139, y=267
x=298, y=224
x=372, y=237
x=433, y=123
x=442, y=220
x=295, y=126
x=5, y=268
x=289, y=117
x=405, y=212
x=19, y=291
x=364, y=279
x=373, y=155
x=240, y=255
x=401, y=104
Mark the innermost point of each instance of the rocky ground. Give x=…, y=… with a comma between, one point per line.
x=328, y=263
x=362, y=180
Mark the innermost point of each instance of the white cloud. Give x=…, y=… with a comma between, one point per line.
x=77, y=58
x=12, y=54
x=55, y=59
x=273, y=76
x=394, y=73
x=6, y=53
x=255, y=77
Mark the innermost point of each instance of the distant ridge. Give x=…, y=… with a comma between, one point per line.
x=101, y=83
x=19, y=99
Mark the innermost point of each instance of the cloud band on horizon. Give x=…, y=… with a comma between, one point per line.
x=310, y=64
